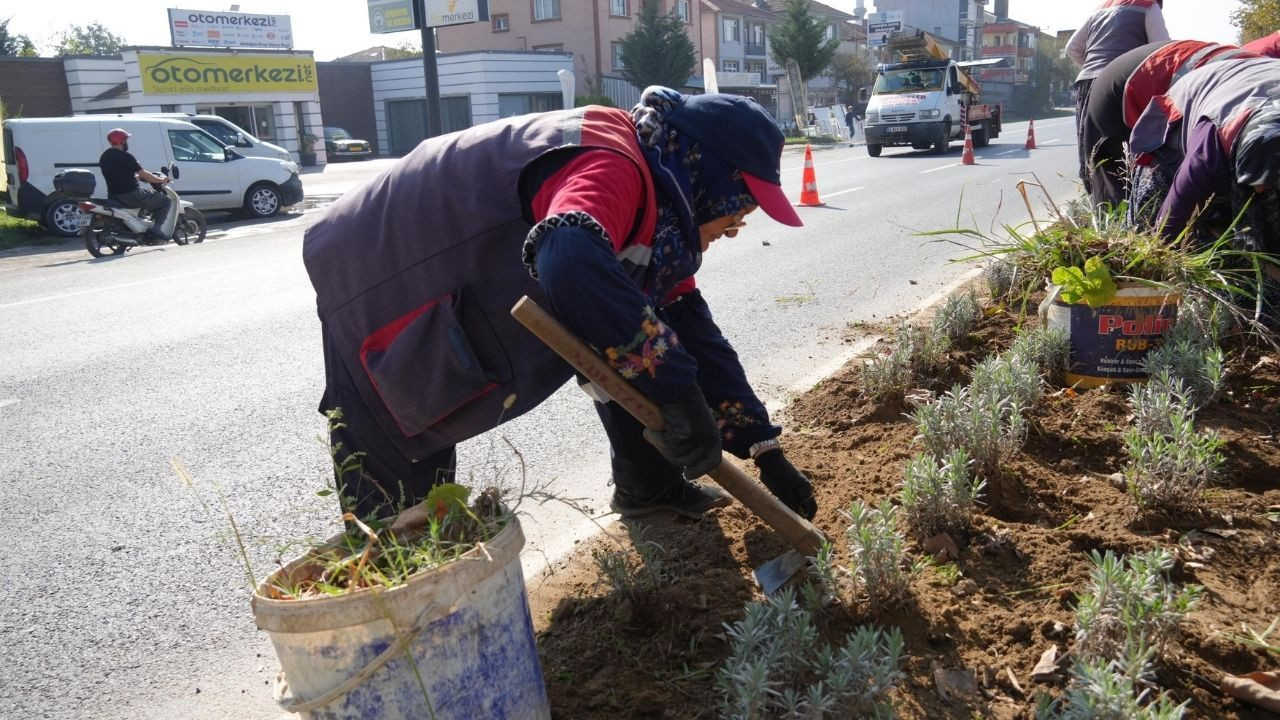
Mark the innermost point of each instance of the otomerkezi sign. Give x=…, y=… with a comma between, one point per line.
x=204, y=28
x=226, y=74
x=455, y=12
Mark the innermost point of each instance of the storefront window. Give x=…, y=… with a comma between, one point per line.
x=257, y=120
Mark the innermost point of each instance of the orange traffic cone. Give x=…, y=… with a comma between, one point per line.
x=967, y=158
x=809, y=182
x=1031, y=135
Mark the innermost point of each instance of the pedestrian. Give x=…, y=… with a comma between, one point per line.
x=600, y=215
x=1115, y=28
x=1215, y=136
x=1268, y=46
x=1121, y=92
x=121, y=171
x=849, y=120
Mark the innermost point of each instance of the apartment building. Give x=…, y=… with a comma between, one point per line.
x=589, y=30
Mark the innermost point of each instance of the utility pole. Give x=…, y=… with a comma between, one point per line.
x=432, y=77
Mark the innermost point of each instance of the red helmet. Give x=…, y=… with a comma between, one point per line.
x=117, y=137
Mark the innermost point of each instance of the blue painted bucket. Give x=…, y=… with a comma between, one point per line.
x=1109, y=344
x=453, y=643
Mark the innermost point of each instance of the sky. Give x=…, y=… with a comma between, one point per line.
x=333, y=28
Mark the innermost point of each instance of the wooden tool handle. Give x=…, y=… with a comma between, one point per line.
x=800, y=533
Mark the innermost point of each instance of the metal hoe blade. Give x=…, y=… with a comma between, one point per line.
x=775, y=573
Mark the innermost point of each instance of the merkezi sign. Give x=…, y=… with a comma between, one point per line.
x=175, y=74
x=229, y=29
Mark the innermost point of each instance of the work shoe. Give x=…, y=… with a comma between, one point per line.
x=687, y=498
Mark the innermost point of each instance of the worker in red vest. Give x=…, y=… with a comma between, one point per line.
x=1120, y=94
x=1268, y=46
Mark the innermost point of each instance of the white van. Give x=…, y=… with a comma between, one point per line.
x=209, y=174
x=232, y=135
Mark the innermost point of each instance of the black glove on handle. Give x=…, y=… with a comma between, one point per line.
x=787, y=483
x=691, y=439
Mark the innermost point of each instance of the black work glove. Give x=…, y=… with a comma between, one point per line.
x=691, y=439
x=787, y=483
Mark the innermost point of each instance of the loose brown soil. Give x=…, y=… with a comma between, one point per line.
x=654, y=655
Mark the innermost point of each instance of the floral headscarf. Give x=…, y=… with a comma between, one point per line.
x=693, y=188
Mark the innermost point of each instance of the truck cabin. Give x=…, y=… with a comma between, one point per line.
x=919, y=76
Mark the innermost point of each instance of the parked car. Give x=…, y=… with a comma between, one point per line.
x=339, y=144
x=232, y=135
x=209, y=174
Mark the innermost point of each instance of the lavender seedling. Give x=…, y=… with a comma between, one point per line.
x=1109, y=690
x=939, y=495
x=958, y=316
x=916, y=354
x=1198, y=364
x=988, y=428
x=1157, y=402
x=1130, y=603
x=1045, y=348
x=879, y=564
x=1169, y=472
x=777, y=667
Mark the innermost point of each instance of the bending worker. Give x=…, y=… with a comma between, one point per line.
x=1121, y=92
x=600, y=215
x=1114, y=29
x=1215, y=135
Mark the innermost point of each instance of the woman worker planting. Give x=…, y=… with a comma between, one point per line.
x=599, y=214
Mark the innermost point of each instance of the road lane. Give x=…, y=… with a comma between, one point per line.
x=127, y=596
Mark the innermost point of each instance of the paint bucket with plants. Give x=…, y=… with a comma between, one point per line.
x=1109, y=327
x=423, y=617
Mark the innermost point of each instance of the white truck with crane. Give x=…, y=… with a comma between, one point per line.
x=924, y=99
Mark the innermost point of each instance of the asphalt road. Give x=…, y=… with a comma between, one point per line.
x=124, y=595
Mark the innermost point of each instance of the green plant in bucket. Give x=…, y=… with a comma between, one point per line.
x=1092, y=285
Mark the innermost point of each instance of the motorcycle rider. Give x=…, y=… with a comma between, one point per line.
x=121, y=171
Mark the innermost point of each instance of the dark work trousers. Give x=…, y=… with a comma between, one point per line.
x=1103, y=133
x=147, y=199
x=639, y=470
x=383, y=481
x=1082, y=108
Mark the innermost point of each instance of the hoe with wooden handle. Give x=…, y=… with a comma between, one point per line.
x=798, y=532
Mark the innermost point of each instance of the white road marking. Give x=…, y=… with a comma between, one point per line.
x=842, y=192
x=1010, y=152
x=32, y=301
x=997, y=181
x=7, y=403
x=922, y=172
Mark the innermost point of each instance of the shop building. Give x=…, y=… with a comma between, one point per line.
x=274, y=94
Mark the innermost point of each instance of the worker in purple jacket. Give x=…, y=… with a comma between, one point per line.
x=601, y=216
x=1114, y=29
x=1213, y=138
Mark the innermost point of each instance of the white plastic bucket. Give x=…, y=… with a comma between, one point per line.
x=466, y=625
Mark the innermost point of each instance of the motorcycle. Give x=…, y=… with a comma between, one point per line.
x=110, y=228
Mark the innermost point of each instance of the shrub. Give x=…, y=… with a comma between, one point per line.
x=958, y=316
x=628, y=573
x=777, y=669
x=1194, y=361
x=1108, y=690
x=879, y=564
x=1007, y=377
x=1157, y=402
x=916, y=354
x=999, y=276
x=938, y=495
x=1046, y=349
x=1130, y=604
x=986, y=427
x=1169, y=472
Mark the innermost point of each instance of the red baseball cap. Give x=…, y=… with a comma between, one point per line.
x=772, y=200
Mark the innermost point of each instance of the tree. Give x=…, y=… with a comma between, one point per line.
x=92, y=39
x=803, y=37
x=1256, y=18
x=658, y=51
x=14, y=44
x=851, y=72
